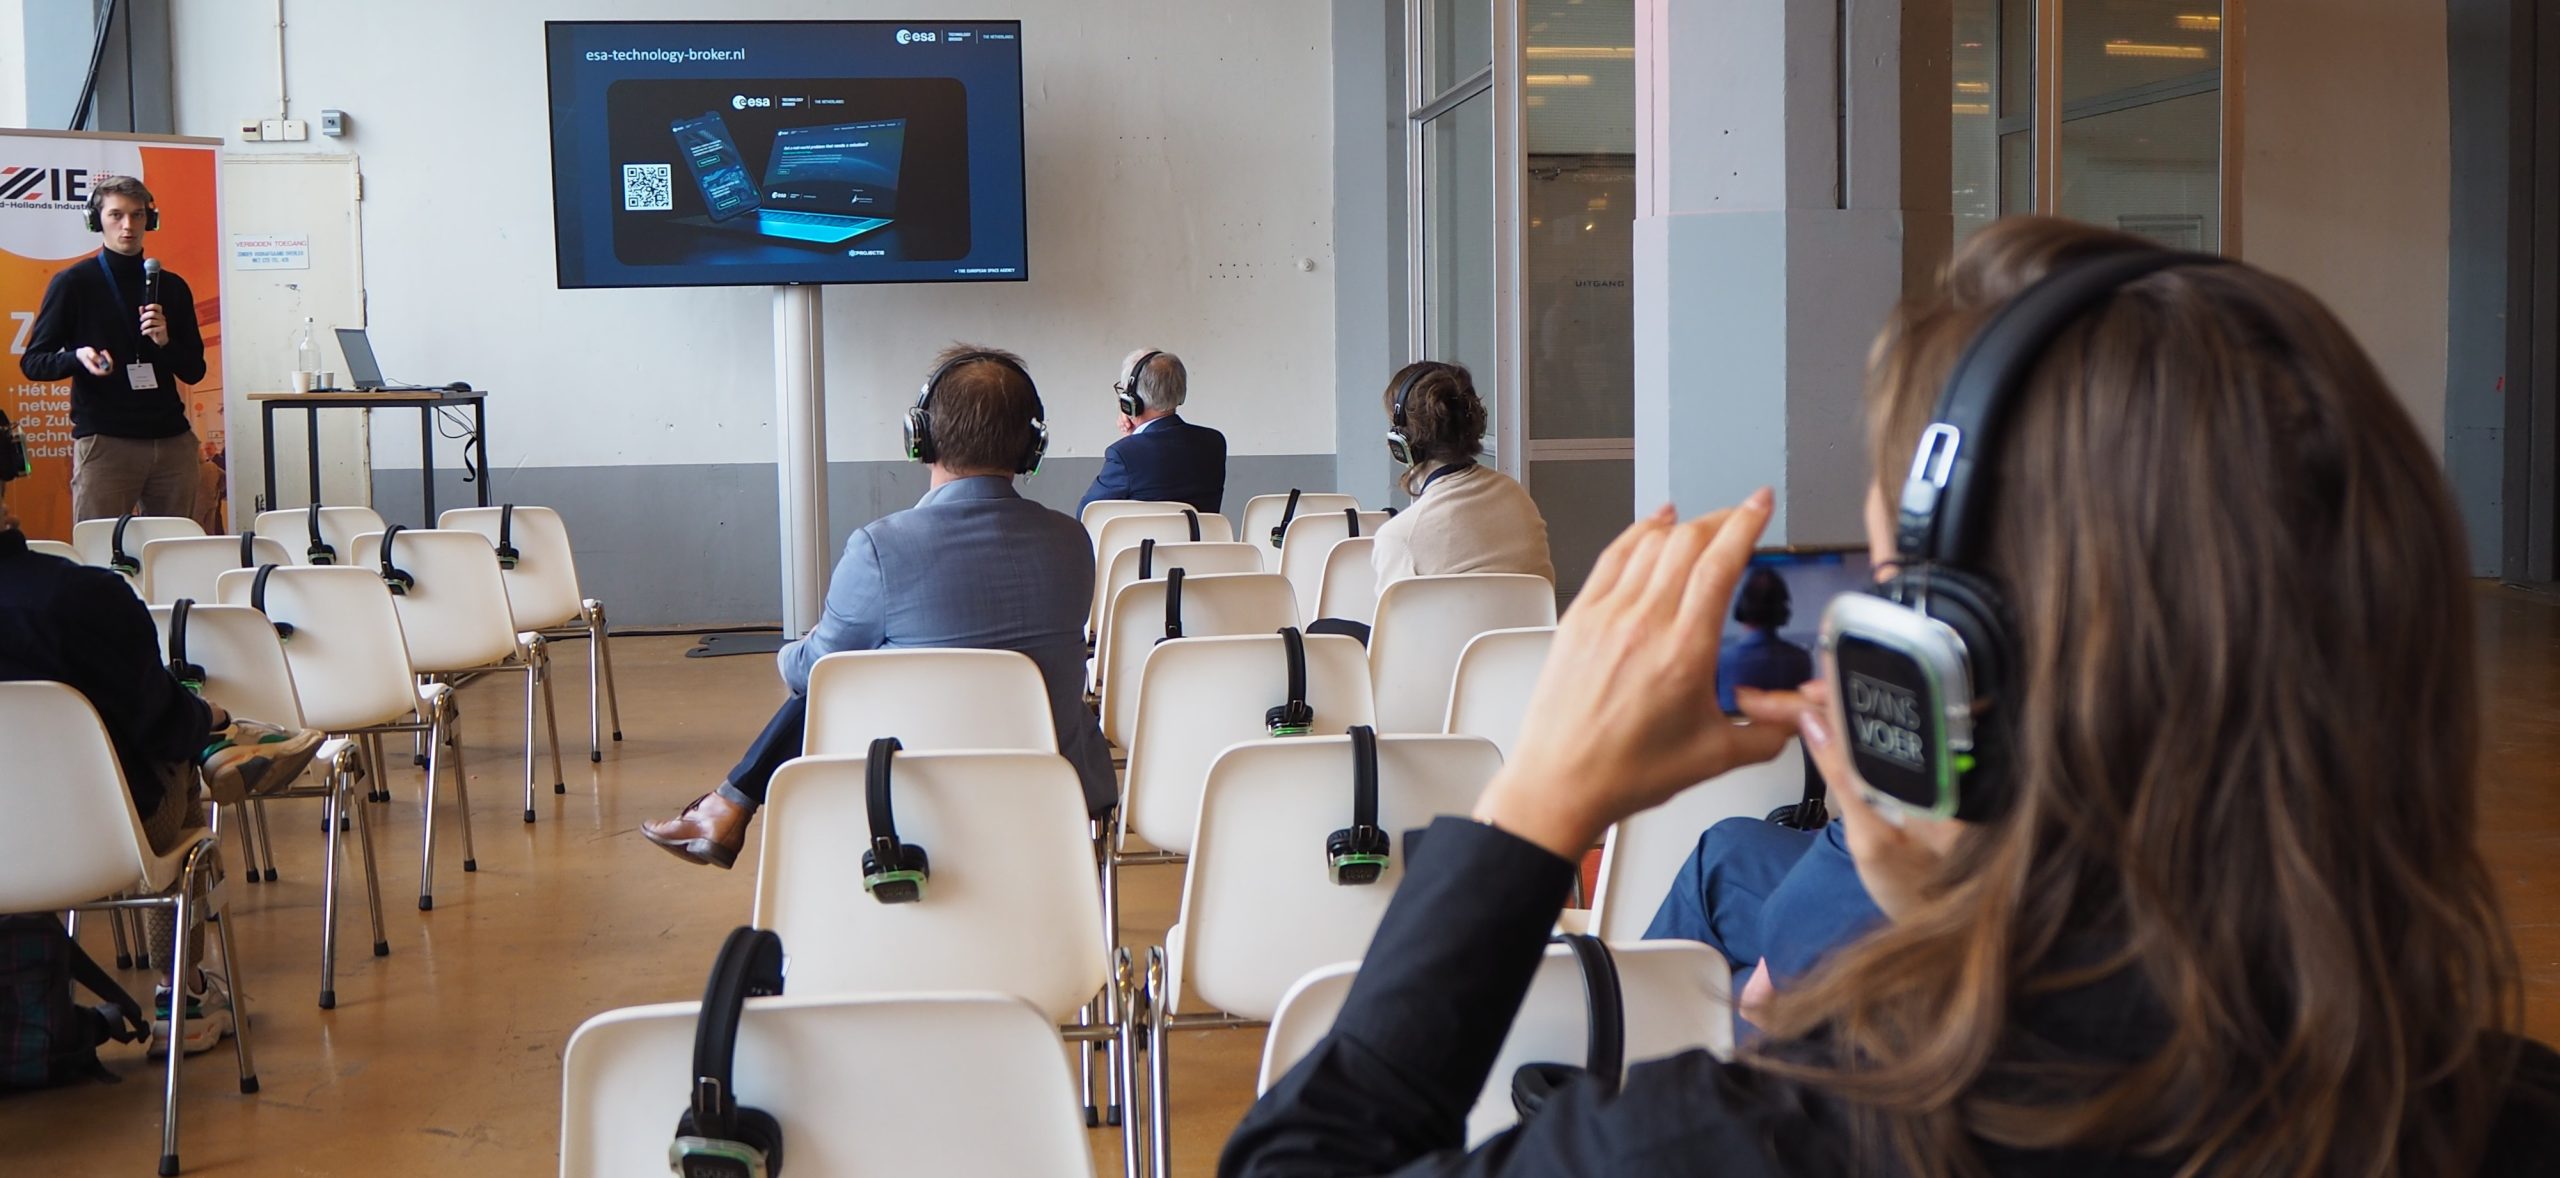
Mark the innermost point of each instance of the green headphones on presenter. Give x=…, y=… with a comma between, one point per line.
x=918, y=427
x=1924, y=664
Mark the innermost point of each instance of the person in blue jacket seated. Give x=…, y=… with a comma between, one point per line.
x=2198, y=892
x=1160, y=457
x=973, y=564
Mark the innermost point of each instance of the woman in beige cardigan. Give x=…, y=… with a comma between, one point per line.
x=1465, y=518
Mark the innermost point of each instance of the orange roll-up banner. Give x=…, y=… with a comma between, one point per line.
x=44, y=193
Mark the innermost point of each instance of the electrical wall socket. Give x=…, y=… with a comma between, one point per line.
x=295, y=130
x=271, y=129
x=251, y=130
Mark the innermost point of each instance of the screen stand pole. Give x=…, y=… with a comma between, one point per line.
x=800, y=418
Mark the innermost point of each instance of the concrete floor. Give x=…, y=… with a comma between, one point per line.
x=445, y=1056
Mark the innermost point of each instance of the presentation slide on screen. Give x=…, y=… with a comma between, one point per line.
x=761, y=153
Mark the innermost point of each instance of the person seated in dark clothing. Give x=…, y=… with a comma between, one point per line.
x=83, y=627
x=972, y=564
x=1759, y=658
x=2188, y=881
x=1160, y=457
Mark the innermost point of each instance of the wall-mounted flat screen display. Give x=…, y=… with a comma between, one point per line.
x=765, y=153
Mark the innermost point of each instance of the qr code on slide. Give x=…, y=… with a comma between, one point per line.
x=648, y=188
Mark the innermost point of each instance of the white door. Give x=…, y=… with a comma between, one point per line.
x=310, y=198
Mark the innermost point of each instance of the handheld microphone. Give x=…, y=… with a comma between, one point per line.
x=150, y=280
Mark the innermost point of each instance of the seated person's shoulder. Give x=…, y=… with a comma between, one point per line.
x=2528, y=1124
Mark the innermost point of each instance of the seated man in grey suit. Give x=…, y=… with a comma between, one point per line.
x=972, y=564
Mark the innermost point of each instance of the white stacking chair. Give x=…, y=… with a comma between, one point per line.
x=351, y=669
x=337, y=529
x=1011, y=904
x=1177, y=525
x=542, y=586
x=1229, y=603
x=1675, y=996
x=1349, y=590
x=1266, y=519
x=884, y=1084
x=1259, y=906
x=1308, y=544
x=1147, y=561
x=243, y=668
x=1642, y=854
x=187, y=566
x=931, y=699
x=455, y=615
x=1497, y=672
x=117, y=543
x=1425, y=623
x=54, y=548
x=76, y=841
x=1103, y=511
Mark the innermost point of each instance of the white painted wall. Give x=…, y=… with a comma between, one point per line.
x=13, y=63
x=1180, y=167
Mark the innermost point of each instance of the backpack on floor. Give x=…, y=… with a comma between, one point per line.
x=47, y=1039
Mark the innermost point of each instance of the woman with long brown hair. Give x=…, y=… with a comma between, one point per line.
x=2227, y=915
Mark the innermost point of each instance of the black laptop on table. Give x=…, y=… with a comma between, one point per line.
x=367, y=373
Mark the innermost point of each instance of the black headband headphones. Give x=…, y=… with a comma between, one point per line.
x=1131, y=404
x=1357, y=854
x=248, y=550
x=319, y=552
x=97, y=202
x=15, y=462
x=1604, y=1006
x=1297, y=717
x=258, y=601
x=1915, y=659
x=188, y=673
x=717, y=1137
x=894, y=872
x=1172, y=605
x=1288, y=511
x=400, y=580
x=919, y=423
x=117, y=558
x=507, y=554
x=1400, y=444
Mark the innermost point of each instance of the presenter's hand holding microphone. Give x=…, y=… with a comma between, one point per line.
x=155, y=322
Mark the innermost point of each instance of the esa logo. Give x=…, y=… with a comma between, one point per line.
x=912, y=37
x=748, y=102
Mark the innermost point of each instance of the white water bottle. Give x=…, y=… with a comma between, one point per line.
x=306, y=360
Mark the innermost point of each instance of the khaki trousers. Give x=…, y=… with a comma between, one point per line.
x=142, y=476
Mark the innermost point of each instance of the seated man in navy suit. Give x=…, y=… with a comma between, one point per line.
x=972, y=564
x=1164, y=459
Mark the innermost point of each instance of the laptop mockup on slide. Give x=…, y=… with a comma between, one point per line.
x=823, y=185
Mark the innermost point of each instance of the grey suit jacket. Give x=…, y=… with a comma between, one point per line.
x=973, y=564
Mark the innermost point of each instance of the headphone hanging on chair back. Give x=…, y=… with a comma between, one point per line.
x=1172, y=605
x=1131, y=404
x=1296, y=717
x=400, y=580
x=717, y=1137
x=258, y=601
x=1288, y=511
x=919, y=422
x=319, y=552
x=117, y=558
x=188, y=673
x=507, y=554
x=1912, y=660
x=1357, y=854
x=1604, y=1005
x=248, y=550
x=894, y=872
x=97, y=200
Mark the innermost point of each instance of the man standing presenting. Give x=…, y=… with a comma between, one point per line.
x=125, y=332
x=1163, y=458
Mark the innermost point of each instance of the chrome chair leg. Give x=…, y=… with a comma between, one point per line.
x=330, y=808
x=231, y=973
x=265, y=847
x=372, y=878
x=1159, y=1068
x=462, y=798
x=532, y=676
x=551, y=720
x=115, y=928
x=600, y=636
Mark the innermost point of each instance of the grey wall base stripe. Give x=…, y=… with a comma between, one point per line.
x=696, y=545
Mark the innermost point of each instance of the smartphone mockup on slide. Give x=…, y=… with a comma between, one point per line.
x=727, y=189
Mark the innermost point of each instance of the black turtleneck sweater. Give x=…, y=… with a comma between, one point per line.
x=84, y=309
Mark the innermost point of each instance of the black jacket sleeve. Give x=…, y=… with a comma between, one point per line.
x=126, y=677
x=1388, y=1091
x=49, y=341
x=183, y=355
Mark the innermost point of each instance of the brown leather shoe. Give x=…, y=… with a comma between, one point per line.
x=711, y=830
